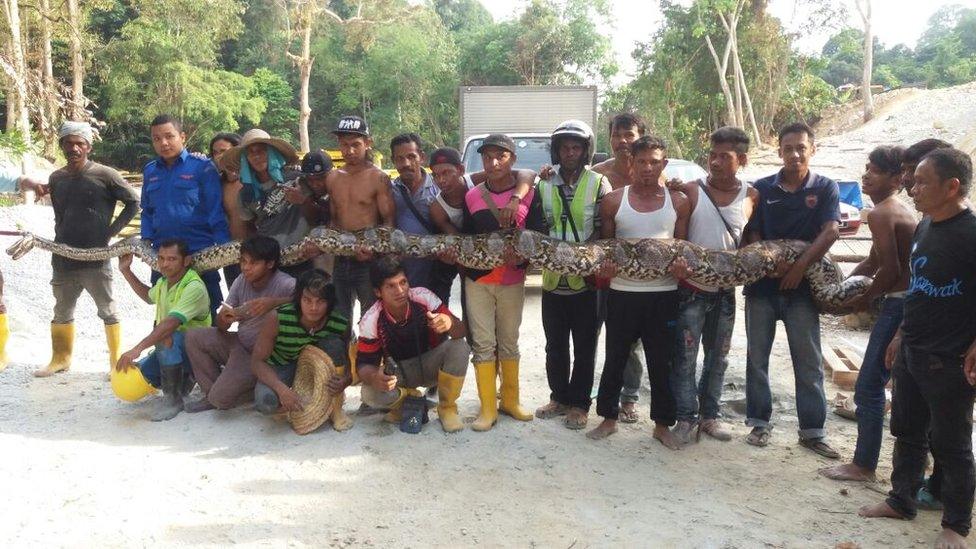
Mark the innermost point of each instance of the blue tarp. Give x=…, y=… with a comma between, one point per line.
x=850, y=193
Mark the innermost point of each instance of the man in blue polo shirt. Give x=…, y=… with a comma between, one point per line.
x=182, y=198
x=794, y=203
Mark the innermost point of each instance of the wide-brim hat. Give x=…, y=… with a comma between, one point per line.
x=231, y=159
x=312, y=376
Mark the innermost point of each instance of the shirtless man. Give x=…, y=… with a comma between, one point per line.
x=360, y=197
x=625, y=128
x=642, y=310
x=892, y=225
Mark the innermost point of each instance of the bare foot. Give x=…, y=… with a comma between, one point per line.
x=880, y=510
x=848, y=471
x=606, y=428
x=950, y=539
x=663, y=434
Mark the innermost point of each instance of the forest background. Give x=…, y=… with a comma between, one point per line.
x=293, y=67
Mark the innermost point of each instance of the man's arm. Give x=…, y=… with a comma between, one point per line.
x=161, y=333
x=608, y=213
x=124, y=193
x=883, y=258
x=384, y=201
x=125, y=267
x=682, y=207
x=213, y=200
x=440, y=219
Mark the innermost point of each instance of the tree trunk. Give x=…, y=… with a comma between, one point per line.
x=49, y=108
x=745, y=94
x=305, y=74
x=868, y=68
x=77, y=108
x=722, y=67
x=19, y=71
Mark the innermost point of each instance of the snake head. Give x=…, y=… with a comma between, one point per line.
x=21, y=247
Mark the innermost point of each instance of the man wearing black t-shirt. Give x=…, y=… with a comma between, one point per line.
x=409, y=339
x=933, y=357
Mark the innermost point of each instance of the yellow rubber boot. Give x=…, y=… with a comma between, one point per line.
x=510, y=392
x=396, y=409
x=62, y=344
x=448, y=391
x=484, y=373
x=4, y=334
x=113, y=336
x=340, y=421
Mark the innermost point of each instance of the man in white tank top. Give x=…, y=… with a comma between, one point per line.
x=720, y=207
x=643, y=310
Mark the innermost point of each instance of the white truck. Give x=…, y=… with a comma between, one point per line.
x=526, y=113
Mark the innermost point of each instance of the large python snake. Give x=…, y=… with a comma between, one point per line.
x=643, y=259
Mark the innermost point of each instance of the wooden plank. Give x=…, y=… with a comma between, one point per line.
x=851, y=358
x=832, y=362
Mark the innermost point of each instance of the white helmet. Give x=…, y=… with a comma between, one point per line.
x=576, y=129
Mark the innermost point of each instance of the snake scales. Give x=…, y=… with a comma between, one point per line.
x=636, y=259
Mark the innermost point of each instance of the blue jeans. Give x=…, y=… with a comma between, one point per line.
x=707, y=319
x=165, y=357
x=801, y=317
x=869, y=393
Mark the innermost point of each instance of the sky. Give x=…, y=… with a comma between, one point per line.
x=894, y=22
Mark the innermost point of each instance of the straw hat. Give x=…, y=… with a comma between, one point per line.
x=315, y=369
x=231, y=159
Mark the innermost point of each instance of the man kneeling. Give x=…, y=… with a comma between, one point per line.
x=310, y=319
x=420, y=342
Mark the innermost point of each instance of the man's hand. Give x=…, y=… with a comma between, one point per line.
x=891, y=353
x=310, y=250
x=448, y=256
x=511, y=257
x=857, y=303
x=793, y=277
x=508, y=214
x=969, y=364
x=125, y=262
x=363, y=254
x=674, y=184
x=294, y=195
x=606, y=270
x=546, y=172
x=338, y=384
x=128, y=359
x=254, y=308
x=679, y=268
x=29, y=184
x=439, y=322
x=226, y=315
x=290, y=400
x=382, y=382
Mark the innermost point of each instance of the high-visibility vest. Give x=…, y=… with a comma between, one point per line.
x=582, y=210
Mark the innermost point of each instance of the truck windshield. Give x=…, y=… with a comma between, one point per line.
x=533, y=153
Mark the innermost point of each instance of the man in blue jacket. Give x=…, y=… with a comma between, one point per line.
x=182, y=198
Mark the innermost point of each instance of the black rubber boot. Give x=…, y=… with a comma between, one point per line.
x=171, y=404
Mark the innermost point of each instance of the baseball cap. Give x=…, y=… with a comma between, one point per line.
x=445, y=155
x=316, y=163
x=499, y=140
x=352, y=125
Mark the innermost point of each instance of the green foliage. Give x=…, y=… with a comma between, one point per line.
x=280, y=114
x=945, y=55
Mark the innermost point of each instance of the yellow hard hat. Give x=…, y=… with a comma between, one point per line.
x=130, y=385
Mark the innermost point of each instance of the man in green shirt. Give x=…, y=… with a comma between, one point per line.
x=182, y=302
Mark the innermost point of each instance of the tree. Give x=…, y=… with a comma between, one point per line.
x=864, y=9
x=14, y=66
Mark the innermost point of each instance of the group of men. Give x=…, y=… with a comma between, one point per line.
x=409, y=339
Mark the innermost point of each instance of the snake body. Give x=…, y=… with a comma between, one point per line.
x=643, y=259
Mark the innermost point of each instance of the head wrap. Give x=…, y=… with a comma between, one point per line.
x=81, y=129
x=276, y=161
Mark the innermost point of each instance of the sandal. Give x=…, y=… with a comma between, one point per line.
x=575, y=419
x=819, y=446
x=628, y=415
x=759, y=436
